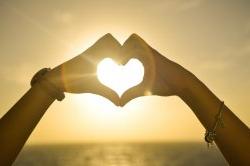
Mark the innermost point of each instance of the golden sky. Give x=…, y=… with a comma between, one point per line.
x=209, y=38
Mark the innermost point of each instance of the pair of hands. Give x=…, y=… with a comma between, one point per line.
x=161, y=76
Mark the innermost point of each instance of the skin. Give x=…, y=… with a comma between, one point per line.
x=170, y=79
x=74, y=76
x=78, y=75
x=162, y=77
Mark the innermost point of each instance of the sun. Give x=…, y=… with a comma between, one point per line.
x=120, y=77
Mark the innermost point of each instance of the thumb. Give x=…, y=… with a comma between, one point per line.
x=132, y=93
x=107, y=93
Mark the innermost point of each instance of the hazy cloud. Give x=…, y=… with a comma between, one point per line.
x=20, y=74
x=178, y=5
x=63, y=16
x=189, y=4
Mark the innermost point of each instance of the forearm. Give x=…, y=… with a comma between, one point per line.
x=18, y=123
x=234, y=138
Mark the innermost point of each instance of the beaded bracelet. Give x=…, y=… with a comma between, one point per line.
x=49, y=87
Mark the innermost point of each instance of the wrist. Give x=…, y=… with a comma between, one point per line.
x=43, y=78
x=55, y=77
x=190, y=83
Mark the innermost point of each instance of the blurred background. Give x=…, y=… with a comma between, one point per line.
x=209, y=38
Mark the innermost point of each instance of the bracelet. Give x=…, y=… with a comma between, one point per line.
x=48, y=86
x=210, y=135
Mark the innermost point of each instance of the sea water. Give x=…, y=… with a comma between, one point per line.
x=120, y=154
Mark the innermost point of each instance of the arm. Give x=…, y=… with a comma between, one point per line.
x=233, y=139
x=18, y=123
x=164, y=77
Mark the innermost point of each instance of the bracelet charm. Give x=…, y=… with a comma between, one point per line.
x=210, y=135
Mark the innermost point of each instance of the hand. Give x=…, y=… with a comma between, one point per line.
x=161, y=76
x=78, y=75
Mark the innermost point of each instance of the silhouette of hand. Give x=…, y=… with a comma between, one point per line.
x=78, y=75
x=161, y=76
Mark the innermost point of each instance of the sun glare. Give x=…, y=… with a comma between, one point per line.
x=119, y=77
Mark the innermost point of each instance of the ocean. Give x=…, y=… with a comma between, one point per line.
x=121, y=154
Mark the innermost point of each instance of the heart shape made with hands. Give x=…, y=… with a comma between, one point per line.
x=120, y=77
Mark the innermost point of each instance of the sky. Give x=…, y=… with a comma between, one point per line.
x=210, y=38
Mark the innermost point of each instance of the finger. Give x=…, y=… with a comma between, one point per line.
x=107, y=93
x=133, y=93
x=135, y=47
x=99, y=90
x=90, y=84
x=94, y=86
x=106, y=46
